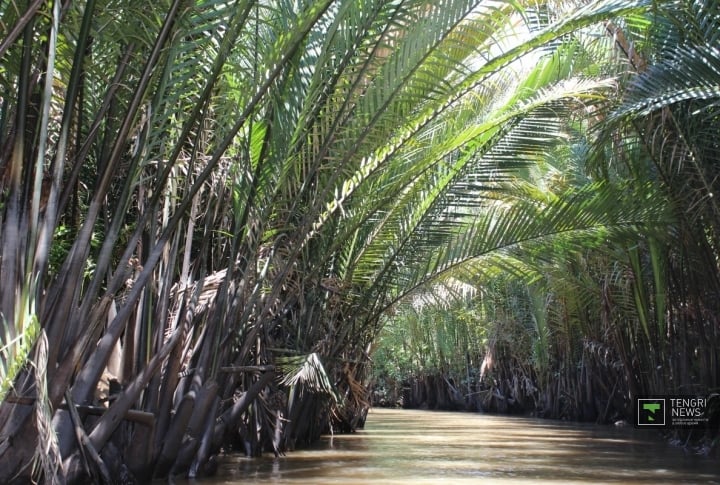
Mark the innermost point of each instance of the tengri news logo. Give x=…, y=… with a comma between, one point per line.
x=672, y=411
x=650, y=412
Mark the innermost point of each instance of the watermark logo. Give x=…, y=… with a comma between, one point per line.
x=671, y=411
x=650, y=412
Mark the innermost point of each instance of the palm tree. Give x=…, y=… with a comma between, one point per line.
x=668, y=114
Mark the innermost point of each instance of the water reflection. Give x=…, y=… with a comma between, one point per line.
x=399, y=446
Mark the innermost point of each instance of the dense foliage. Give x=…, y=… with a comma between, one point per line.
x=575, y=326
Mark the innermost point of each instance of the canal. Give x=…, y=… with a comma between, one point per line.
x=427, y=447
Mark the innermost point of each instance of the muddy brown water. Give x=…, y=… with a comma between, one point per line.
x=428, y=447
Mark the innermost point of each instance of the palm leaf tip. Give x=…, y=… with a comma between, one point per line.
x=307, y=371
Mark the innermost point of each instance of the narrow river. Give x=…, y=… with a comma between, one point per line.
x=418, y=447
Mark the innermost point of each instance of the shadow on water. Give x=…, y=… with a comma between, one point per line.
x=399, y=446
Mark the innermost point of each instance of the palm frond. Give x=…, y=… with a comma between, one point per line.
x=581, y=218
x=306, y=373
x=691, y=73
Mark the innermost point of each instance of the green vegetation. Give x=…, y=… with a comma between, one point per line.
x=213, y=212
x=608, y=286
